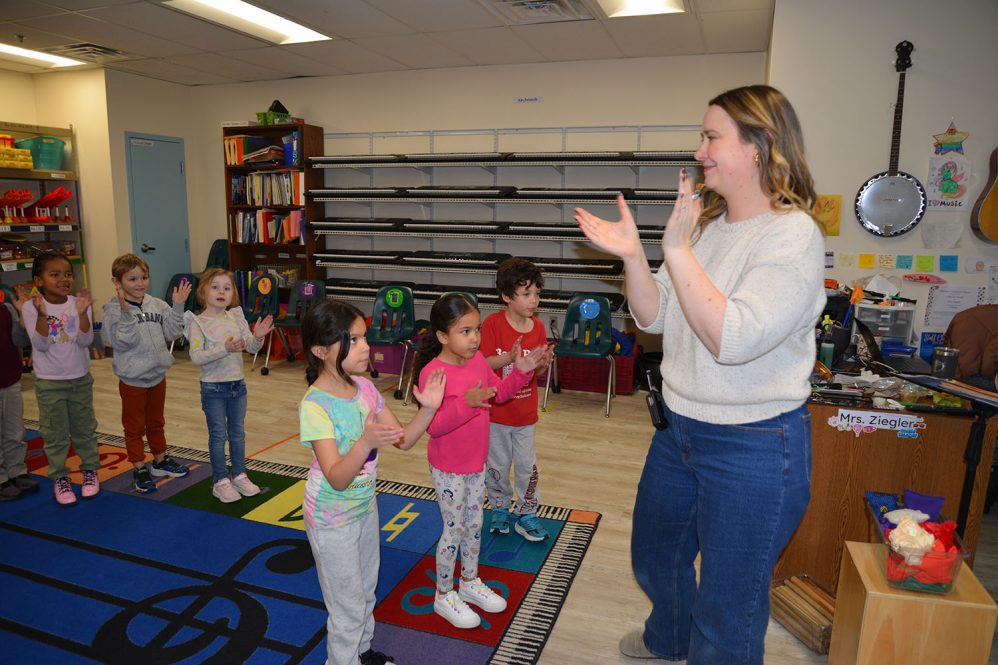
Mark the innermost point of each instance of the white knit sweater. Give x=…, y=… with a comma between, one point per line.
x=771, y=269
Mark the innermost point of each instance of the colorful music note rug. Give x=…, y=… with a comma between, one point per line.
x=175, y=576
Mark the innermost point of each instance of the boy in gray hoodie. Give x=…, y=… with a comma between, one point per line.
x=138, y=326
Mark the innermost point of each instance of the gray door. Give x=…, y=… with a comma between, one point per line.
x=157, y=202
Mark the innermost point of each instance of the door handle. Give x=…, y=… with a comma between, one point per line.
x=146, y=248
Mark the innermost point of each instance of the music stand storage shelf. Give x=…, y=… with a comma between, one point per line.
x=460, y=196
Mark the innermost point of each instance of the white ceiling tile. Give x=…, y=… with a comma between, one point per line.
x=14, y=10
x=230, y=68
x=572, y=40
x=33, y=37
x=437, y=15
x=488, y=46
x=708, y=6
x=415, y=51
x=10, y=65
x=81, y=5
x=339, y=18
x=286, y=61
x=87, y=29
x=347, y=56
x=647, y=36
x=168, y=71
x=175, y=26
x=737, y=32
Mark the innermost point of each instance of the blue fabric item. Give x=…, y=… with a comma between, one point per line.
x=626, y=343
x=928, y=504
x=224, y=405
x=734, y=494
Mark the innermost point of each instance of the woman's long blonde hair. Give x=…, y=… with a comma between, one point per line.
x=766, y=119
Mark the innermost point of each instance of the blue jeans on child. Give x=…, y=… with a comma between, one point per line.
x=734, y=494
x=224, y=406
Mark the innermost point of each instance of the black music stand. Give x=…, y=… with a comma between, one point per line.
x=985, y=406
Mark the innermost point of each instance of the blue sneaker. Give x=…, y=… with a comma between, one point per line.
x=142, y=482
x=530, y=528
x=168, y=467
x=500, y=521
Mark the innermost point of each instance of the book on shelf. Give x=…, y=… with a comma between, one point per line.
x=270, y=153
x=269, y=227
x=279, y=188
x=238, y=147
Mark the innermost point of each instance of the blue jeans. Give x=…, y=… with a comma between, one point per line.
x=224, y=406
x=734, y=494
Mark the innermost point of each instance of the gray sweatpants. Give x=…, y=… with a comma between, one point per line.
x=347, y=559
x=12, y=445
x=512, y=448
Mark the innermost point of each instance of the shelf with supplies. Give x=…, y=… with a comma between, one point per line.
x=411, y=209
x=267, y=213
x=39, y=200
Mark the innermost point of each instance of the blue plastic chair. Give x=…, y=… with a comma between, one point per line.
x=304, y=294
x=585, y=334
x=392, y=323
x=262, y=301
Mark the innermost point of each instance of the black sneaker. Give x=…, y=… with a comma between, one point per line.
x=168, y=467
x=142, y=482
x=372, y=657
x=25, y=483
x=9, y=491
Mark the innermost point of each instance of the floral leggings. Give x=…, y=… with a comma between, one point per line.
x=460, y=497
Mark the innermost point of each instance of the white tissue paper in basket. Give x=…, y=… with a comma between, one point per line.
x=911, y=541
x=895, y=516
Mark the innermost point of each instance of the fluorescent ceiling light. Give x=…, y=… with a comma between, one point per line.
x=37, y=58
x=244, y=17
x=617, y=8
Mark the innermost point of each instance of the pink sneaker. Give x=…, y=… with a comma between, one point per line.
x=64, y=494
x=245, y=486
x=91, y=485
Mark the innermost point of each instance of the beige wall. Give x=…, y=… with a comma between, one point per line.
x=17, y=103
x=834, y=60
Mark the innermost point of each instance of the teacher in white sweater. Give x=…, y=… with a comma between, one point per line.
x=736, y=301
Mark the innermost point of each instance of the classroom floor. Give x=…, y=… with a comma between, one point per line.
x=586, y=461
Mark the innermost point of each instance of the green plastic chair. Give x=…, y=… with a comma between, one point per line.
x=190, y=304
x=392, y=323
x=304, y=294
x=262, y=301
x=218, y=255
x=585, y=334
x=473, y=299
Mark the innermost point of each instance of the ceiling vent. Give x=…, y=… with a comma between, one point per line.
x=525, y=12
x=89, y=52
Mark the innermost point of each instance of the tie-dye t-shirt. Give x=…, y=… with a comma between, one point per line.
x=324, y=416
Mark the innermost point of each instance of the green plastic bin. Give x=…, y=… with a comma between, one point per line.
x=46, y=151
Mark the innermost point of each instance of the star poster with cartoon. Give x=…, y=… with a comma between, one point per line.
x=946, y=186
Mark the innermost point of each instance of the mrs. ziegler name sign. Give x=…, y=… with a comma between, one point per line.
x=860, y=422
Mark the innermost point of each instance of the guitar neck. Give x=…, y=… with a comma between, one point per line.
x=896, y=136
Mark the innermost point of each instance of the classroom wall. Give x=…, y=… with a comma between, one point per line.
x=78, y=99
x=835, y=63
x=17, y=103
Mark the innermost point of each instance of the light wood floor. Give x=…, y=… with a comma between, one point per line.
x=586, y=462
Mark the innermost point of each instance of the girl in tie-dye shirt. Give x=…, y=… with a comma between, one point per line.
x=344, y=421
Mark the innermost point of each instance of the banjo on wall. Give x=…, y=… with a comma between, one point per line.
x=893, y=202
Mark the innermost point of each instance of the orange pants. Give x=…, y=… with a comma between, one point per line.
x=142, y=414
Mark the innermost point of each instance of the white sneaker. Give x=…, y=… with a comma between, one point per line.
x=455, y=610
x=225, y=492
x=478, y=593
x=245, y=486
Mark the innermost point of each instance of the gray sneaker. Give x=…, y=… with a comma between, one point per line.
x=9, y=491
x=225, y=492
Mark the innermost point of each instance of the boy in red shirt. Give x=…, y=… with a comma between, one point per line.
x=505, y=335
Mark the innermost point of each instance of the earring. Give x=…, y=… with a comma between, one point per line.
x=757, y=160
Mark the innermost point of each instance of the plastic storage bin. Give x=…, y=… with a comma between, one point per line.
x=935, y=572
x=888, y=322
x=46, y=151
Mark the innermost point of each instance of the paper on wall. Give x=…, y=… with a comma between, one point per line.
x=942, y=234
x=945, y=302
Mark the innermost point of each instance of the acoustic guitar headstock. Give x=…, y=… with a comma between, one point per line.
x=903, y=49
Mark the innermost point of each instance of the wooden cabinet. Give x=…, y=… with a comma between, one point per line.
x=266, y=208
x=39, y=209
x=845, y=465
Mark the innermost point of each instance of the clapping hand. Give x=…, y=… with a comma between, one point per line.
x=182, y=292
x=234, y=344
x=263, y=327
x=377, y=435
x=617, y=238
x=685, y=214
x=432, y=394
x=537, y=359
x=478, y=396
x=82, y=301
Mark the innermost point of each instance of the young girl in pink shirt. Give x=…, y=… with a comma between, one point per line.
x=459, y=446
